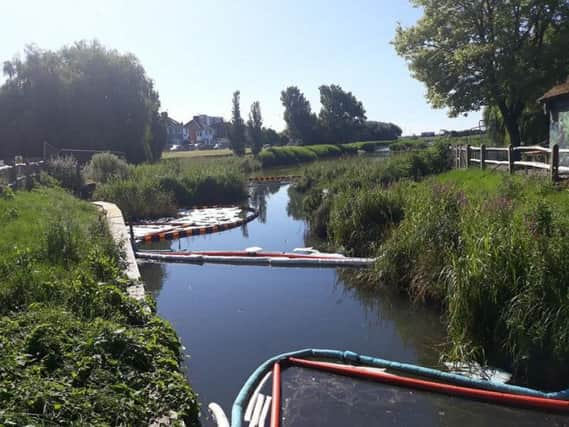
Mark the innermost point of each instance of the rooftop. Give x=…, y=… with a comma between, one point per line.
x=556, y=91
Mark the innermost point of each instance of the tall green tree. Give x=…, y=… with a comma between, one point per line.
x=487, y=52
x=83, y=96
x=237, y=136
x=342, y=116
x=298, y=116
x=255, y=128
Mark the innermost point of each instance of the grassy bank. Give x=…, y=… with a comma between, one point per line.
x=157, y=190
x=346, y=202
x=490, y=251
x=280, y=156
x=74, y=349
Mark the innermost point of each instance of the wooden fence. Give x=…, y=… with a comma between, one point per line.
x=19, y=174
x=465, y=155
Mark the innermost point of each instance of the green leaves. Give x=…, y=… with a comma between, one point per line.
x=480, y=53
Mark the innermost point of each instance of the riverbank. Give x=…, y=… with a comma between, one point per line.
x=73, y=345
x=488, y=250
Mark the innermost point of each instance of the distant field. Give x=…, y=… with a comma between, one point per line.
x=196, y=153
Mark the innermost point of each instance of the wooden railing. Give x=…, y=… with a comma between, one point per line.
x=465, y=155
x=17, y=174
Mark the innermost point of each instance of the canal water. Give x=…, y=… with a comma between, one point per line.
x=232, y=318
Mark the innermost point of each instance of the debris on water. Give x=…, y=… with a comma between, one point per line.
x=475, y=371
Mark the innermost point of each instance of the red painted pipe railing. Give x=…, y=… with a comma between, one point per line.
x=449, y=389
x=276, y=403
x=252, y=254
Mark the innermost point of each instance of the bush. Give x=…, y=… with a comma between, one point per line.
x=104, y=167
x=66, y=171
x=153, y=191
x=138, y=198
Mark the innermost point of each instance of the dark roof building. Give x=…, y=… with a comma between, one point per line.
x=556, y=103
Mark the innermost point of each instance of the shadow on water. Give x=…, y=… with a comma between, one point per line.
x=232, y=318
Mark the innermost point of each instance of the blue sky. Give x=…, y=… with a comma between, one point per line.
x=199, y=52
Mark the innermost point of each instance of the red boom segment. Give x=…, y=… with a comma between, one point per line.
x=453, y=390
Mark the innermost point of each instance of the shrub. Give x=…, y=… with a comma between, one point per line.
x=104, y=167
x=66, y=171
x=138, y=198
x=153, y=191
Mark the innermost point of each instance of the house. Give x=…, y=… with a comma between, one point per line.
x=208, y=130
x=556, y=104
x=427, y=134
x=176, y=132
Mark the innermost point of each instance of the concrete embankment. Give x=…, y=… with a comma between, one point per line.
x=119, y=232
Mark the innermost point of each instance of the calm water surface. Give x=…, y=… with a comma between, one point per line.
x=233, y=318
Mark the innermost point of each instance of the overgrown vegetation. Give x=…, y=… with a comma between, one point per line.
x=74, y=348
x=65, y=170
x=105, y=167
x=156, y=190
x=278, y=156
x=489, y=250
x=348, y=203
x=492, y=252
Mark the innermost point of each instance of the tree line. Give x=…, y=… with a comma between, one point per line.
x=83, y=96
x=342, y=118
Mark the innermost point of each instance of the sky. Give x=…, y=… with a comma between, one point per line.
x=199, y=52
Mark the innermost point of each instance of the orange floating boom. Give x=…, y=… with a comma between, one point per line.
x=449, y=389
x=276, y=404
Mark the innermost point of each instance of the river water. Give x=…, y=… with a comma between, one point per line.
x=232, y=318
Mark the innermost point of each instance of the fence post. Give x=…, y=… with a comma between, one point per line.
x=511, y=168
x=483, y=156
x=457, y=156
x=554, y=162
x=468, y=151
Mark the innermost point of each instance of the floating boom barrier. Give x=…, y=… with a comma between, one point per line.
x=180, y=229
x=251, y=406
x=273, y=259
x=282, y=178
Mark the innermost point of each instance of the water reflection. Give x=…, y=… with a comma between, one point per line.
x=258, y=194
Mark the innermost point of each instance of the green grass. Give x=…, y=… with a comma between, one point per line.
x=74, y=348
x=225, y=152
x=331, y=189
x=492, y=251
x=158, y=190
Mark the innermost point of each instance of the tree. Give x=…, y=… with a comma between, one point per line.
x=237, y=127
x=298, y=115
x=272, y=137
x=342, y=116
x=487, y=53
x=83, y=96
x=255, y=128
x=378, y=131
